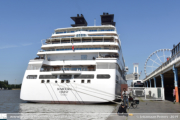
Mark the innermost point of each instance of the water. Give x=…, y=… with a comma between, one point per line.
x=10, y=103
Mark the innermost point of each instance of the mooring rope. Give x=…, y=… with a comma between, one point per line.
x=95, y=96
x=98, y=90
x=49, y=92
x=54, y=93
x=77, y=93
x=73, y=93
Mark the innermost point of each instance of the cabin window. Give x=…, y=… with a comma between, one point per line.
x=34, y=67
x=80, y=35
x=82, y=81
x=31, y=77
x=42, y=81
x=103, y=76
x=62, y=81
x=56, y=81
x=84, y=76
x=48, y=81
x=48, y=77
x=65, y=76
x=83, y=57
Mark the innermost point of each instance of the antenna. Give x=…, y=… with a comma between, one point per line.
x=94, y=21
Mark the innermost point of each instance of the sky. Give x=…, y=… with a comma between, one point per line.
x=144, y=27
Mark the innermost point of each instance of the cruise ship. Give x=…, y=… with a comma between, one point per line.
x=79, y=64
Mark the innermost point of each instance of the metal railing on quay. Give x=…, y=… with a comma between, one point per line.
x=166, y=63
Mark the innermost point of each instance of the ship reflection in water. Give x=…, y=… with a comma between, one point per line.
x=69, y=111
x=10, y=103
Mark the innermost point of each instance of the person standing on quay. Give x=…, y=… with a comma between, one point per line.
x=174, y=95
x=125, y=97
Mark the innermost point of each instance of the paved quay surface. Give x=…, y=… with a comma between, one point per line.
x=114, y=115
x=151, y=106
x=150, y=110
x=151, y=98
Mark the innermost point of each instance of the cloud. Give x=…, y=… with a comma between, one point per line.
x=26, y=44
x=14, y=46
x=8, y=46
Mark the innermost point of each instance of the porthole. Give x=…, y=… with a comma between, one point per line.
x=56, y=81
x=42, y=81
x=62, y=81
x=48, y=81
x=82, y=81
x=89, y=81
x=67, y=81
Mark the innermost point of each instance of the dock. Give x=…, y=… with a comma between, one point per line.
x=167, y=76
x=149, y=108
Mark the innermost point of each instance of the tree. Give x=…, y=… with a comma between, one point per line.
x=1, y=84
x=9, y=87
x=6, y=82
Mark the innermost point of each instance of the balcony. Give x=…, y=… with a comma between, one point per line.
x=78, y=49
x=67, y=68
x=87, y=30
x=109, y=56
x=87, y=39
x=36, y=59
x=89, y=60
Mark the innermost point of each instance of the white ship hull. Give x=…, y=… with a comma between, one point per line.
x=98, y=91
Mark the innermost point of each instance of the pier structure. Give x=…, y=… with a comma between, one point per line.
x=167, y=75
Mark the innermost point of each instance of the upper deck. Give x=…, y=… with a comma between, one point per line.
x=88, y=30
x=83, y=35
x=82, y=40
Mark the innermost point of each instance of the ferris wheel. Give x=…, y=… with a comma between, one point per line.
x=155, y=60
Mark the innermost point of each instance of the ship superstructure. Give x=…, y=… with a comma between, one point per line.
x=81, y=64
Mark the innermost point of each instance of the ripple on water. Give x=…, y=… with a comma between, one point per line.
x=10, y=103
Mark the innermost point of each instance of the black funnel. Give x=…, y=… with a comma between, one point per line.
x=107, y=19
x=79, y=21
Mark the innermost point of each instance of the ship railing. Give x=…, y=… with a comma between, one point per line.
x=78, y=49
x=93, y=58
x=93, y=30
x=104, y=38
x=73, y=59
x=68, y=69
x=83, y=41
x=83, y=36
x=35, y=60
